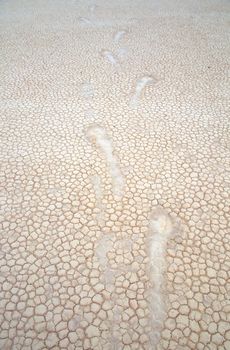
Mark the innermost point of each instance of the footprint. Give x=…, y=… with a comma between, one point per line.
x=119, y=35
x=139, y=90
x=161, y=223
x=109, y=56
x=161, y=228
x=84, y=20
x=98, y=136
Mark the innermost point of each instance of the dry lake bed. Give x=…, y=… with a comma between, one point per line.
x=114, y=175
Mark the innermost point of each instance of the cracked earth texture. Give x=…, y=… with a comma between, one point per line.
x=115, y=175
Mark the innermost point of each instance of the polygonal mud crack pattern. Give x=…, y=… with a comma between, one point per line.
x=114, y=175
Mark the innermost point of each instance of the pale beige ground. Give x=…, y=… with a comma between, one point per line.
x=115, y=175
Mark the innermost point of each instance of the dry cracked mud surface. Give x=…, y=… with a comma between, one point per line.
x=115, y=175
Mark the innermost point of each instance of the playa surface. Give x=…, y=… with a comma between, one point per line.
x=115, y=175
